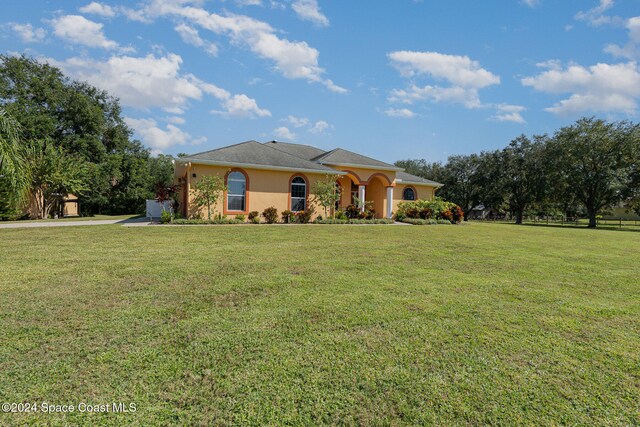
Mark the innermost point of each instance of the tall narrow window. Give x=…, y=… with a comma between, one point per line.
x=236, y=191
x=298, y=194
x=408, y=194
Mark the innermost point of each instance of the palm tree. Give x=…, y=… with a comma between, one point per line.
x=13, y=164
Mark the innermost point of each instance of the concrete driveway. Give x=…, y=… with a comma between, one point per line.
x=132, y=222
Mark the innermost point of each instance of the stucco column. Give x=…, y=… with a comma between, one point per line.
x=361, y=196
x=389, y=201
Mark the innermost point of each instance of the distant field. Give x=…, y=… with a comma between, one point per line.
x=299, y=325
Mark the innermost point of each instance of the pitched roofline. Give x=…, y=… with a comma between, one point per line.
x=428, y=184
x=291, y=154
x=360, y=166
x=220, y=148
x=185, y=160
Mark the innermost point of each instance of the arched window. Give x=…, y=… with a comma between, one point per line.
x=298, y=194
x=408, y=194
x=236, y=191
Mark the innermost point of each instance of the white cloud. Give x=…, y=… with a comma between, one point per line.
x=458, y=70
x=241, y=106
x=308, y=10
x=509, y=113
x=140, y=82
x=595, y=16
x=295, y=60
x=403, y=113
x=464, y=75
x=191, y=36
x=176, y=120
x=297, y=122
x=79, y=30
x=96, y=8
x=632, y=49
x=27, y=33
x=283, y=132
x=155, y=137
x=156, y=82
x=455, y=95
x=319, y=127
x=613, y=88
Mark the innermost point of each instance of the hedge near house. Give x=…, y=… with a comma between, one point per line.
x=425, y=210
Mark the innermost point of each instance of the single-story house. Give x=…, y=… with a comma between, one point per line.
x=260, y=175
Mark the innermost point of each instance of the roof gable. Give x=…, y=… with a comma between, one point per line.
x=340, y=156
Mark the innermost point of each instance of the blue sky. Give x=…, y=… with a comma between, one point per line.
x=392, y=79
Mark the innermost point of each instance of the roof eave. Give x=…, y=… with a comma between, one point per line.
x=429, y=184
x=260, y=167
x=354, y=165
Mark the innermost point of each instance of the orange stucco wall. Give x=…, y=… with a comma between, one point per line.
x=265, y=188
x=268, y=188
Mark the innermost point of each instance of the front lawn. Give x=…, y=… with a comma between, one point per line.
x=319, y=324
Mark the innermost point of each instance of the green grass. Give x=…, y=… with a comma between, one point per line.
x=301, y=325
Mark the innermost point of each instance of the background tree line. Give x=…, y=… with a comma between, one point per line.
x=582, y=170
x=59, y=136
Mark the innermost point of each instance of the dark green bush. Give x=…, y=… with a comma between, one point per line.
x=253, y=214
x=270, y=215
x=165, y=217
x=303, y=217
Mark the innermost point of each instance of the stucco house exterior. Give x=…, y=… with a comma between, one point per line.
x=260, y=175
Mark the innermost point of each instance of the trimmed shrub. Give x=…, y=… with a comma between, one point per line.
x=354, y=221
x=340, y=214
x=270, y=215
x=352, y=211
x=425, y=213
x=256, y=220
x=194, y=221
x=457, y=214
x=429, y=209
x=287, y=216
x=165, y=217
x=303, y=217
x=412, y=213
x=446, y=215
x=253, y=214
x=240, y=217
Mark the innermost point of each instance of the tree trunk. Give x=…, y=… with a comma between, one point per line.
x=593, y=222
x=519, y=215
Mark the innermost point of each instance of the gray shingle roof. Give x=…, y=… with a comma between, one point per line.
x=255, y=153
x=306, y=152
x=345, y=157
x=407, y=178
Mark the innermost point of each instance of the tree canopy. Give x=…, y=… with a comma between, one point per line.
x=86, y=123
x=587, y=167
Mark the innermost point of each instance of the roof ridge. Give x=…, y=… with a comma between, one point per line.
x=220, y=148
x=286, y=152
x=291, y=155
x=370, y=158
x=326, y=153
